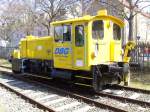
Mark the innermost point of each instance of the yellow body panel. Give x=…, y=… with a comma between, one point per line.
x=23, y=48
x=75, y=59
x=60, y=59
x=115, y=51
x=16, y=54
x=37, y=48
x=129, y=46
x=82, y=58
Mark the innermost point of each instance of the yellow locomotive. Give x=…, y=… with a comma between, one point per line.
x=86, y=50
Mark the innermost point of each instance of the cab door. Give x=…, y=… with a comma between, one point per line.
x=79, y=52
x=115, y=44
x=63, y=47
x=117, y=55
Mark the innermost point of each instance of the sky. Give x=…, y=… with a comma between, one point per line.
x=147, y=9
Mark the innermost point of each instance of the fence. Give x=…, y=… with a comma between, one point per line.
x=6, y=51
x=141, y=56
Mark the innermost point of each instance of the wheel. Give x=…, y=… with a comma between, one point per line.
x=118, y=77
x=119, y=81
x=127, y=78
x=16, y=72
x=97, y=83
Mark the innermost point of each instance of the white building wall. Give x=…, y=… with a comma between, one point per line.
x=143, y=29
x=3, y=43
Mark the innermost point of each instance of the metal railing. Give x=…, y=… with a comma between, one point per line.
x=141, y=56
x=5, y=52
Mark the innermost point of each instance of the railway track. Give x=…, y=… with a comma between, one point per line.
x=5, y=67
x=51, y=98
x=128, y=94
x=125, y=98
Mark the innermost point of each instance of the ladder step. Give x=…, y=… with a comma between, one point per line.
x=81, y=84
x=77, y=76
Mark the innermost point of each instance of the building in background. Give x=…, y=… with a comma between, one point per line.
x=143, y=28
x=4, y=51
x=3, y=43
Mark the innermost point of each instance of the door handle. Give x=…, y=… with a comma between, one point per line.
x=97, y=46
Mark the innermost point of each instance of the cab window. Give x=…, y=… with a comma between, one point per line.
x=66, y=33
x=79, y=35
x=58, y=33
x=116, y=32
x=98, y=29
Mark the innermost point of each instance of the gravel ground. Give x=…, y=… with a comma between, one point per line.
x=127, y=106
x=24, y=107
x=128, y=93
x=13, y=103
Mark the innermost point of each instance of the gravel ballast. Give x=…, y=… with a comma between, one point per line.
x=13, y=103
x=67, y=105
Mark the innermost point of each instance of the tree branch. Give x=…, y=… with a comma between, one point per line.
x=140, y=10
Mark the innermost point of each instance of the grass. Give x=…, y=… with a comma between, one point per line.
x=4, y=62
x=140, y=80
x=140, y=85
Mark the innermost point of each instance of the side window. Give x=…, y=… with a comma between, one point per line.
x=66, y=33
x=116, y=32
x=98, y=29
x=58, y=33
x=79, y=35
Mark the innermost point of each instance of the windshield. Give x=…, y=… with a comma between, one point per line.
x=98, y=29
x=116, y=32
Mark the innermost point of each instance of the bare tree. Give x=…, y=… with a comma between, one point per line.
x=134, y=7
x=30, y=18
x=52, y=10
x=10, y=20
x=74, y=9
x=17, y=16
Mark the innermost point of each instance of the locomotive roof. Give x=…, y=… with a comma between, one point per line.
x=102, y=14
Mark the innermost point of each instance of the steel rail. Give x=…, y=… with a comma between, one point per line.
x=5, y=67
x=131, y=89
x=124, y=99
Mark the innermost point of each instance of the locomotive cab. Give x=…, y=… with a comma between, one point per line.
x=86, y=41
x=91, y=47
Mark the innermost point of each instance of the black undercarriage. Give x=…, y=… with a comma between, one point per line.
x=99, y=75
